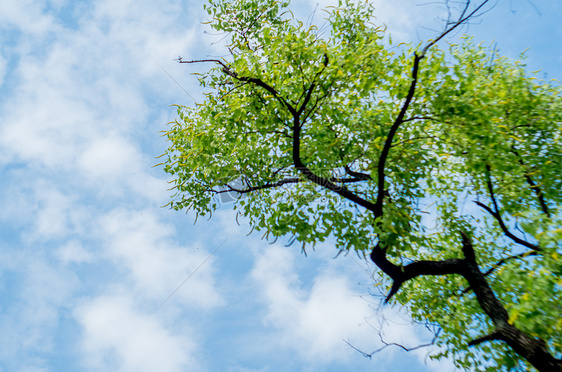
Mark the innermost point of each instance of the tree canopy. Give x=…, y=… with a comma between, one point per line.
x=443, y=166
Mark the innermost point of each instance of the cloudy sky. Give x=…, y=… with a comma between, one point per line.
x=96, y=276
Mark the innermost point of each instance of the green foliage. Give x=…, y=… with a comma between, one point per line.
x=477, y=128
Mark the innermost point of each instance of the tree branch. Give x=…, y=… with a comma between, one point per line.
x=278, y=184
x=390, y=137
x=534, y=350
x=491, y=337
x=400, y=274
x=504, y=228
x=357, y=175
x=509, y=258
x=497, y=215
x=462, y=19
x=539, y=194
x=502, y=262
x=261, y=187
x=536, y=189
x=227, y=70
x=321, y=181
x=387, y=344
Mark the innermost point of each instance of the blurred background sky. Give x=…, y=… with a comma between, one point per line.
x=89, y=258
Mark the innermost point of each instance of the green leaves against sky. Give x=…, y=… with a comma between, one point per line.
x=479, y=128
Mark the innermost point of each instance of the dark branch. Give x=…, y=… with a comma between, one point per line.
x=278, y=184
x=497, y=215
x=387, y=344
x=491, y=337
x=390, y=137
x=357, y=175
x=505, y=260
x=462, y=19
x=321, y=181
x=536, y=189
x=534, y=350
x=261, y=187
x=505, y=230
x=467, y=249
x=306, y=99
x=347, y=180
x=400, y=274
x=227, y=70
x=539, y=194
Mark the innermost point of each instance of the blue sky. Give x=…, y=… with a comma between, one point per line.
x=89, y=258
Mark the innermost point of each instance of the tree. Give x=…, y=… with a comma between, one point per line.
x=444, y=167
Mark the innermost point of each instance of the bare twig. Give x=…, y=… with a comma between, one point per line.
x=452, y=26
x=387, y=344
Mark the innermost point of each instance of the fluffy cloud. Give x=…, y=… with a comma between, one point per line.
x=40, y=294
x=78, y=136
x=315, y=321
x=3, y=68
x=141, y=245
x=120, y=338
x=140, y=322
x=26, y=15
x=406, y=20
x=74, y=252
x=79, y=105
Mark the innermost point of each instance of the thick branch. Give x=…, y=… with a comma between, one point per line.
x=357, y=175
x=534, y=350
x=400, y=274
x=491, y=337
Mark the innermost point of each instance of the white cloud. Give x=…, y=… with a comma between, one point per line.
x=312, y=322
x=73, y=134
x=53, y=213
x=41, y=209
x=79, y=105
x=74, y=252
x=26, y=15
x=406, y=20
x=118, y=337
x=3, y=69
x=40, y=294
x=141, y=244
x=112, y=162
x=108, y=158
